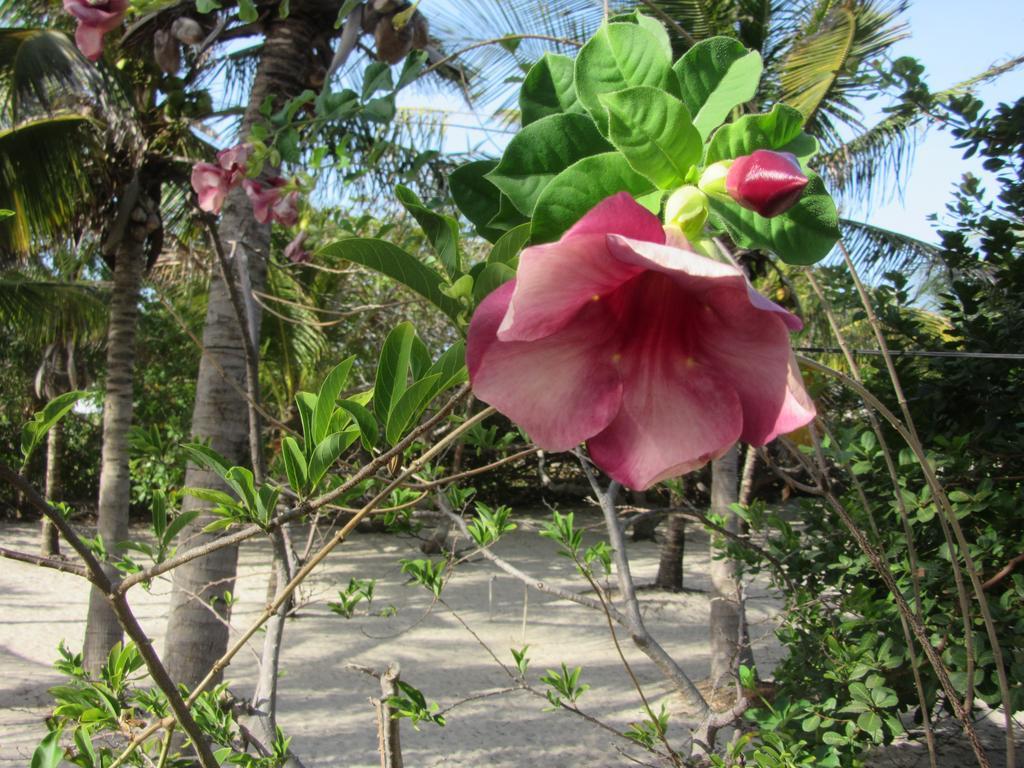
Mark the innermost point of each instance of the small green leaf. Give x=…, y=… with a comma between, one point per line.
x=802, y=235
x=393, y=370
x=548, y=89
x=491, y=276
x=506, y=250
x=368, y=431
x=306, y=402
x=327, y=399
x=49, y=752
x=715, y=76
x=5, y=213
x=376, y=77
x=412, y=68
x=294, y=464
x=620, y=56
x=442, y=231
x=177, y=525
x=247, y=11
x=205, y=456
x=540, y=152
x=390, y=260
x=654, y=133
x=327, y=452
x=579, y=188
x=782, y=130
x=43, y=421
x=409, y=406
x=476, y=197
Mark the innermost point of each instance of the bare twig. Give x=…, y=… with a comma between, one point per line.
x=56, y=563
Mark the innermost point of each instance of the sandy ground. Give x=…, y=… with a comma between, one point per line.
x=325, y=706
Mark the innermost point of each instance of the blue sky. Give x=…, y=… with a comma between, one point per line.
x=953, y=39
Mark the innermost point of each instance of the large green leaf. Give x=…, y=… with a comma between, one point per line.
x=802, y=235
x=715, y=76
x=540, y=152
x=393, y=369
x=328, y=398
x=476, y=197
x=390, y=260
x=651, y=25
x=442, y=231
x=450, y=367
x=49, y=753
x=327, y=452
x=620, y=56
x=508, y=216
x=493, y=274
x=579, y=188
x=507, y=249
x=368, y=431
x=548, y=89
x=781, y=129
x=294, y=464
x=654, y=133
x=44, y=420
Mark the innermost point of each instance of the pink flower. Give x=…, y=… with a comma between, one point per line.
x=234, y=160
x=767, y=182
x=295, y=252
x=211, y=183
x=95, y=19
x=269, y=203
x=658, y=357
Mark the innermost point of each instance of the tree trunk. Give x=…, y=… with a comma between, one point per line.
x=102, y=630
x=196, y=637
x=673, y=548
x=725, y=587
x=49, y=541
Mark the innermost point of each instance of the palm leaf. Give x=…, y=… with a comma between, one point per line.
x=878, y=250
x=48, y=311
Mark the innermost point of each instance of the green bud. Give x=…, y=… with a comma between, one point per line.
x=687, y=209
x=712, y=181
x=461, y=288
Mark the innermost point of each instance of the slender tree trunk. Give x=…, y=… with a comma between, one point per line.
x=195, y=637
x=725, y=586
x=102, y=630
x=49, y=540
x=673, y=548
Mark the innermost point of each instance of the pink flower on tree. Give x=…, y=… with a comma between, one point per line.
x=271, y=203
x=767, y=182
x=658, y=357
x=234, y=160
x=95, y=19
x=211, y=183
x=295, y=251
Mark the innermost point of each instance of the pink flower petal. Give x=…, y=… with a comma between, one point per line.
x=561, y=389
x=798, y=409
x=556, y=279
x=210, y=183
x=676, y=416
x=89, y=40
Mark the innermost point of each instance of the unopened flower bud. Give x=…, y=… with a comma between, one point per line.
x=712, y=181
x=767, y=182
x=687, y=209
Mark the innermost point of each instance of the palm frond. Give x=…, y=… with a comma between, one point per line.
x=40, y=71
x=48, y=311
x=878, y=250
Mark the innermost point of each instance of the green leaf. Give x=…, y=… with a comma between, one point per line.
x=178, y=524
x=506, y=250
x=508, y=216
x=205, y=456
x=802, y=235
x=782, y=129
x=390, y=260
x=548, y=89
x=654, y=133
x=491, y=276
x=651, y=25
x=715, y=76
x=409, y=406
x=393, y=369
x=476, y=197
x=412, y=68
x=49, y=752
x=328, y=398
x=368, y=431
x=5, y=213
x=247, y=11
x=579, y=188
x=442, y=231
x=540, y=152
x=211, y=495
x=294, y=464
x=43, y=421
x=620, y=56
x=451, y=367
x=376, y=77
x=871, y=723
x=327, y=452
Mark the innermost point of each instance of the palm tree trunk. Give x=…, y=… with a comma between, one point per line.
x=49, y=540
x=725, y=587
x=197, y=633
x=102, y=630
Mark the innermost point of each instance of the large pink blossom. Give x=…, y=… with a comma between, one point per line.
x=658, y=357
x=234, y=160
x=95, y=19
x=211, y=183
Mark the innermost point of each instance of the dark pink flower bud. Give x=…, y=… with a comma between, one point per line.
x=767, y=182
x=295, y=251
x=95, y=19
x=211, y=183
